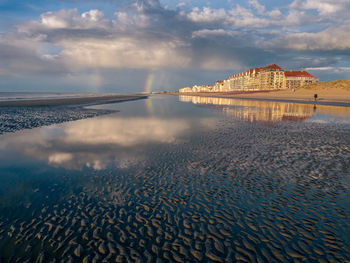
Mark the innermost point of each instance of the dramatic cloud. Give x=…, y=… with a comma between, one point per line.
x=149, y=36
x=207, y=15
x=91, y=40
x=332, y=38
x=64, y=19
x=20, y=54
x=323, y=7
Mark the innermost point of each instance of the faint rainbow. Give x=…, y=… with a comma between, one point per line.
x=148, y=90
x=97, y=82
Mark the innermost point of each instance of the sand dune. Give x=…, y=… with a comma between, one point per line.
x=324, y=95
x=337, y=84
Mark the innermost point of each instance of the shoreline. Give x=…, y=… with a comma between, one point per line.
x=72, y=101
x=330, y=97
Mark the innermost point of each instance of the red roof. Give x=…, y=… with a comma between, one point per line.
x=250, y=71
x=273, y=66
x=301, y=73
x=268, y=68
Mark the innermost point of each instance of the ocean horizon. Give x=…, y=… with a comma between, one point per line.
x=8, y=96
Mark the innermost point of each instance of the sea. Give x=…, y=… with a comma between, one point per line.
x=11, y=96
x=175, y=179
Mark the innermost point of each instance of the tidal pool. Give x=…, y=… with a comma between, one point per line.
x=180, y=179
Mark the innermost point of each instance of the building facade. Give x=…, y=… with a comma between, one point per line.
x=270, y=77
x=296, y=79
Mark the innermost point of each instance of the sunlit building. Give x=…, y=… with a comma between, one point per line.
x=219, y=86
x=296, y=79
x=185, y=90
x=270, y=77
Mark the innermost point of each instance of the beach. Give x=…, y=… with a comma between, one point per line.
x=329, y=93
x=169, y=180
x=151, y=131
x=81, y=100
x=35, y=111
x=182, y=181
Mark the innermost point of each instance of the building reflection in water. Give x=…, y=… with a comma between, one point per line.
x=266, y=111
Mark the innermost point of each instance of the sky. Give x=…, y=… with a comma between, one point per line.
x=151, y=45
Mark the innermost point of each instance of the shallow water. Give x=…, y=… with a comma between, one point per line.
x=180, y=179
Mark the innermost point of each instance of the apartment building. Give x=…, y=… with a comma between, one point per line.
x=270, y=77
x=296, y=79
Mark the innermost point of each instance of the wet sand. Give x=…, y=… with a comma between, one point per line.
x=71, y=101
x=241, y=193
x=13, y=119
x=27, y=114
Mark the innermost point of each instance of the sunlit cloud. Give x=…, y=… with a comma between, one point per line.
x=151, y=36
x=333, y=38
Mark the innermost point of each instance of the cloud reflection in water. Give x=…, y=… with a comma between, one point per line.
x=101, y=142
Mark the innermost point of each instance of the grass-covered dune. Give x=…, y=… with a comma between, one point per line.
x=337, y=84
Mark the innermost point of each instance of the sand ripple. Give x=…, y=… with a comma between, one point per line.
x=245, y=192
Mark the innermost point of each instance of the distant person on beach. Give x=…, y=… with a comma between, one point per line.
x=315, y=97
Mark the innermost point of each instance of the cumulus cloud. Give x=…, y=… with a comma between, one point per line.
x=20, y=54
x=124, y=52
x=214, y=32
x=91, y=40
x=332, y=38
x=256, y=17
x=64, y=19
x=207, y=15
x=323, y=7
x=147, y=35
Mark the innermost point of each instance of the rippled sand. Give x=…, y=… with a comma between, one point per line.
x=242, y=193
x=18, y=118
x=27, y=114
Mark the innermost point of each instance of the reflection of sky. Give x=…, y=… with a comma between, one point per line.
x=323, y=118
x=119, y=139
x=124, y=132
x=123, y=139
x=163, y=106
x=100, y=142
